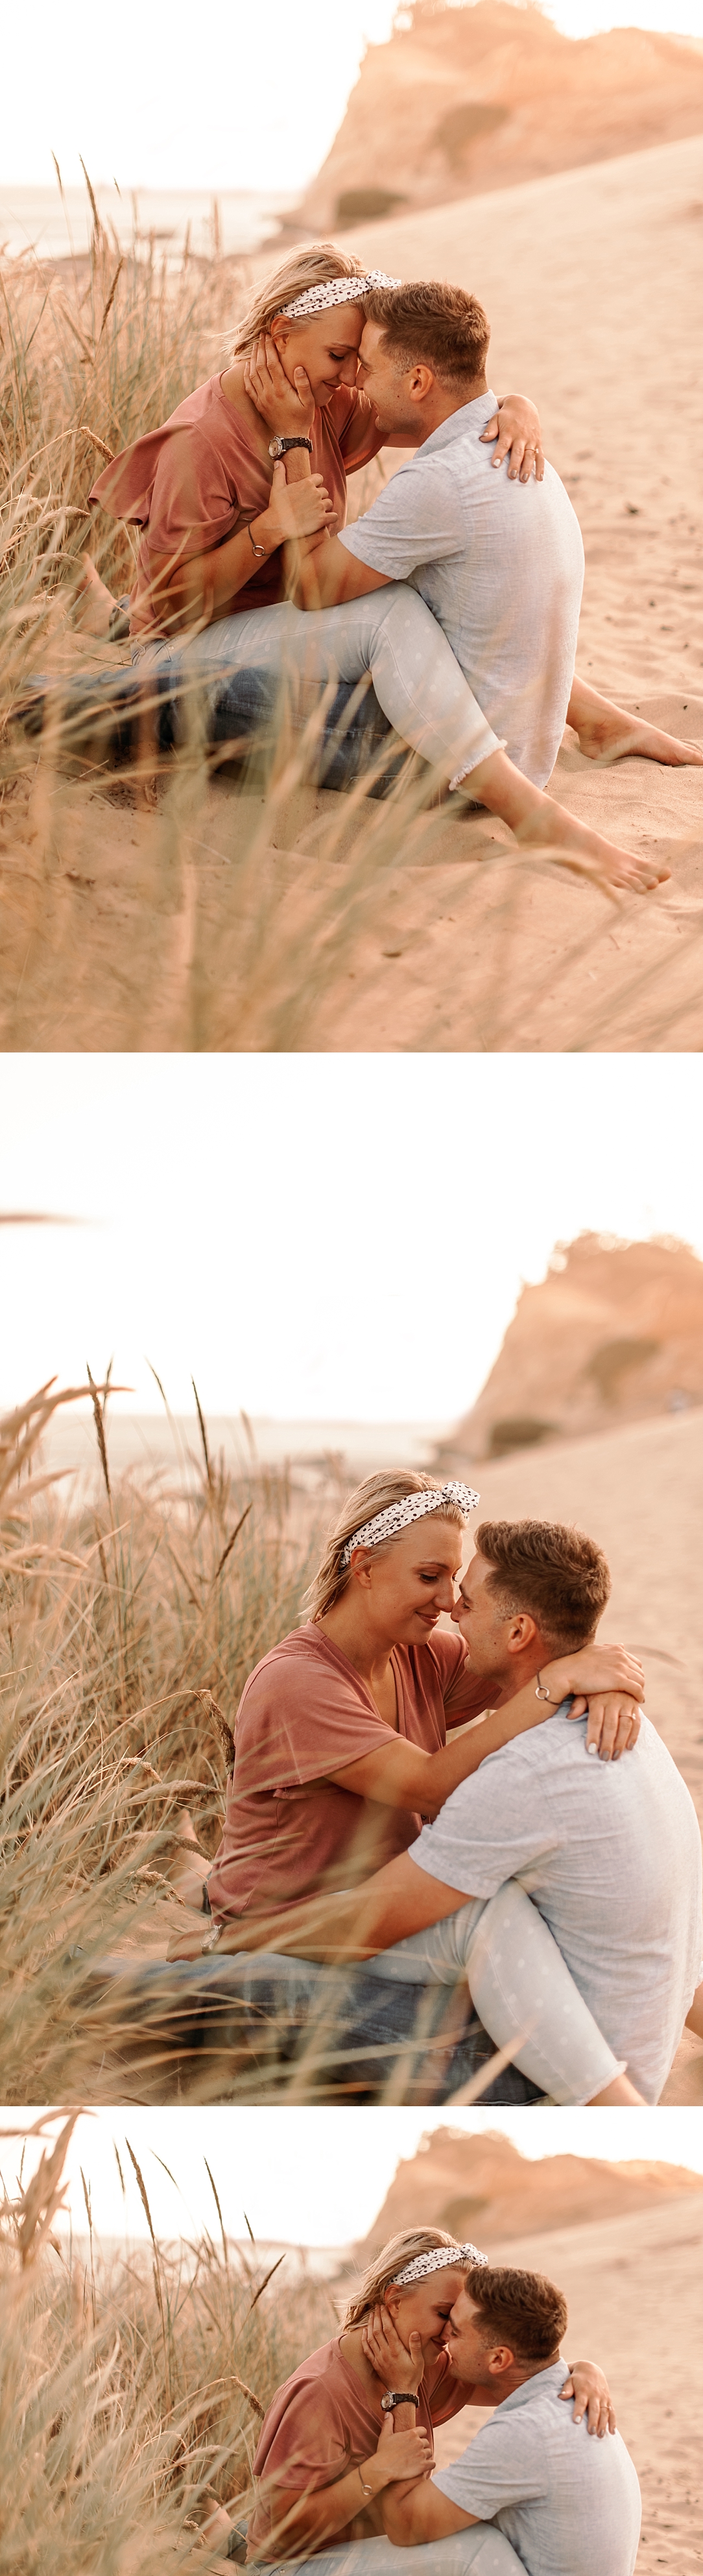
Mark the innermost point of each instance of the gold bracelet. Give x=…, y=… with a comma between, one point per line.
x=365, y=2490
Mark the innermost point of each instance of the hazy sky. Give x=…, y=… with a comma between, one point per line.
x=313, y=2177
x=319, y=1237
x=239, y=98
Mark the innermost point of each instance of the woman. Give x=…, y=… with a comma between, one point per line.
x=325, y=2454
x=341, y=1750
x=216, y=505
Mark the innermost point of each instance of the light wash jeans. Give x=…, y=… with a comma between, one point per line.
x=481, y=2547
x=389, y=633
x=521, y=1988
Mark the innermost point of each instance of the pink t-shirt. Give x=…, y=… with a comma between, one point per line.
x=195, y=481
x=322, y=2423
x=289, y=1832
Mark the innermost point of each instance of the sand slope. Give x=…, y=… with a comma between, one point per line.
x=478, y=2186
x=633, y=2290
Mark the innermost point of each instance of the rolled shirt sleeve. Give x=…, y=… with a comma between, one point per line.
x=416, y=520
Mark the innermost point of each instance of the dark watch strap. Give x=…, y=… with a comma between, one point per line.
x=284, y=445
x=398, y=2397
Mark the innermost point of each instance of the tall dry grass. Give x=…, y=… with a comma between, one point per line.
x=132, y=2386
x=167, y=907
x=128, y=1624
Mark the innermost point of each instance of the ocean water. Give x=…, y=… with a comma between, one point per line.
x=151, y=1441
x=39, y=219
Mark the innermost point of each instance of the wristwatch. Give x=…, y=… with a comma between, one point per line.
x=280, y=446
x=398, y=2397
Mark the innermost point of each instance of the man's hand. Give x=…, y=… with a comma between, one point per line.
x=397, y=2365
x=589, y=2388
x=517, y=429
x=609, y=1683
x=288, y=409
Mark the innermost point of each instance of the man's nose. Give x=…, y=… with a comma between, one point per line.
x=348, y=373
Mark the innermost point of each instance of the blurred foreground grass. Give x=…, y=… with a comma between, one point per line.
x=128, y=1625
x=132, y=2386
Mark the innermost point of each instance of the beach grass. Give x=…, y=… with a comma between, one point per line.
x=133, y=2384
x=182, y=903
x=129, y=1621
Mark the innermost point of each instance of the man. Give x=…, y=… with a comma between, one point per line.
x=564, y=2502
x=610, y=1854
x=500, y=567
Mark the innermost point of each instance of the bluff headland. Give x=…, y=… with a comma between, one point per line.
x=464, y=99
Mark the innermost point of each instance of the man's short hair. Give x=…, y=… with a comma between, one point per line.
x=521, y=2309
x=438, y=326
x=558, y=1575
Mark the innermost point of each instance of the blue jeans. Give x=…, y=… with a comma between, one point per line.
x=278, y=2025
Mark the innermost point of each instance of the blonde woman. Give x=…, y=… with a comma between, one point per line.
x=329, y=2444
x=255, y=461
x=341, y=1750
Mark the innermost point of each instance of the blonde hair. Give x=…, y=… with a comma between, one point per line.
x=382, y=2270
x=317, y=264
x=375, y=1495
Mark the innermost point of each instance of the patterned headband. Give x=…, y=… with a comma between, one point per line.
x=410, y=1509
x=440, y=2260
x=340, y=290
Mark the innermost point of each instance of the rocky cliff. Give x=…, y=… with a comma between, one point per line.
x=475, y=97
x=613, y=1334
x=483, y=2191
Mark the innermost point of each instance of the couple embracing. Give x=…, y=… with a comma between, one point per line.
x=481, y=1814
x=344, y=2478
x=457, y=594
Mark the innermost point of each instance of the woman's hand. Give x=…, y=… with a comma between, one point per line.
x=188, y=1945
x=295, y=509
x=516, y=427
x=397, y=2365
x=399, y=2455
x=589, y=2388
x=288, y=409
x=606, y=1681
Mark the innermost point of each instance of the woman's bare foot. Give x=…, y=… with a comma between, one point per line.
x=538, y=823
x=94, y=603
x=607, y=732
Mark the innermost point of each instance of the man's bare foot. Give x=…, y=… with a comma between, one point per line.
x=94, y=603
x=607, y=732
x=560, y=832
x=538, y=823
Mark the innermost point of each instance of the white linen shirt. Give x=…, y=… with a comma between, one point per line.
x=610, y=1852
x=566, y=2501
x=500, y=564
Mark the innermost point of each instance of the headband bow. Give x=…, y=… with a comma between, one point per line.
x=439, y=2260
x=411, y=1508
x=339, y=290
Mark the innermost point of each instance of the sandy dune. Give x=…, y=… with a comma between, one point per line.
x=120, y=931
x=633, y=2290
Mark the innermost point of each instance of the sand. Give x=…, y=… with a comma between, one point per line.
x=112, y=938
x=633, y=2290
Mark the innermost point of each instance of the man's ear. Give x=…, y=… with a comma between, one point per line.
x=523, y=1632
x=421, y=382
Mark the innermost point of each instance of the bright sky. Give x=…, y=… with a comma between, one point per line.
x=254, y=104
x=338, y=1237
x=313, y=2177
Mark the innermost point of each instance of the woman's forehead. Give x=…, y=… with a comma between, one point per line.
x=338, y=323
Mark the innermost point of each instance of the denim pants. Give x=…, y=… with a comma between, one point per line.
x=389, y=634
